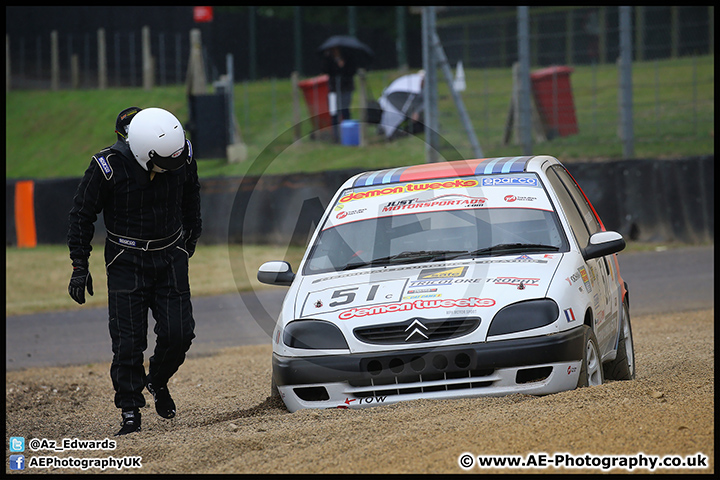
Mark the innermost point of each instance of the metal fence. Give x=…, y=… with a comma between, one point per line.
x=670, y=79
x=77, y=54
x=68, y=38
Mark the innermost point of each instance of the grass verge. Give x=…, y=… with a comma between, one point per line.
x=37, y=278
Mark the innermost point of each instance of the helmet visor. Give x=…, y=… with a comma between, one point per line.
x=171, y=162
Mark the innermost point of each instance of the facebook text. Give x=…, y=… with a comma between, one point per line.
x=85, y=463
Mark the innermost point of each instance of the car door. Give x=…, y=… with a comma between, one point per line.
x=601, y=270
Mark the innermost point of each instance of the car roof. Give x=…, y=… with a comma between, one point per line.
x=458, y=168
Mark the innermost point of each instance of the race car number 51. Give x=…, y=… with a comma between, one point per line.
x=359, y=294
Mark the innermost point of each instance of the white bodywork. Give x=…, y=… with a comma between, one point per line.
x=423, y=292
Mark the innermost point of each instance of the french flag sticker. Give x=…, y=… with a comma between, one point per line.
x=569, y=315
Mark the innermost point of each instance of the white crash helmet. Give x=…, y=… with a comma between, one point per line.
x=157, y=140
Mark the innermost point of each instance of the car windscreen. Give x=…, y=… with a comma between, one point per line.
x=436, y=220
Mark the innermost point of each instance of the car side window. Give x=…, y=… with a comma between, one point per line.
x=578, y=226
x=580, y=200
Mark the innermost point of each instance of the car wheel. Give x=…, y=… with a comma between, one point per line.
x=623, y=367
x=591, y=371
x=274, y=392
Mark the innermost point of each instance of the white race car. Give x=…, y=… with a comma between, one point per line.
x=453, y=279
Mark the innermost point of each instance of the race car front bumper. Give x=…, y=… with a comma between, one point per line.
x=535, y=365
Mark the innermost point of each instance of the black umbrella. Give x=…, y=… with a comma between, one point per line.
x=349, y=45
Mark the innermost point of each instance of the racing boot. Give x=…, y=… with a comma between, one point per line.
x=130, y=422
x=164, y=405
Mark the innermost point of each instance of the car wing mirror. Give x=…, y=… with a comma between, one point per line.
x=603, y=243
x=276, y=273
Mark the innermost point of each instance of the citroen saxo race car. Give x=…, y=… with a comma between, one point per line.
x=454, y=279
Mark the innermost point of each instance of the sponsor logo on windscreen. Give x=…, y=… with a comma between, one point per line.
x=493, y=181
x=410, y=187
x=515, y=198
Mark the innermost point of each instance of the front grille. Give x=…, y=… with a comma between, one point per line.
x=417, y=330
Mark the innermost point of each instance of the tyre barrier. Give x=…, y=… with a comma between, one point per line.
x=646, y=200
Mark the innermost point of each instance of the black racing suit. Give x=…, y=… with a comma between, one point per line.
x=138, y=208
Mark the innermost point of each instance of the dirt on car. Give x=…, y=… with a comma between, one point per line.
x=228, y=423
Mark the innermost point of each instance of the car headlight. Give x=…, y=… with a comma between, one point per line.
x=524, y=316
x=313, y=334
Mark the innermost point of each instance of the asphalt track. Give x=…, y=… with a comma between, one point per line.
x=672, y=280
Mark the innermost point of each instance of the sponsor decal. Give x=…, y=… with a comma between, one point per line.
x=362, y=273
x=515, y=281
x=515, y=198
x=571, y=369
x=104, y=165
x=442, y=201
x=415, y=305
x=443, y=282
x=422, y=295
x=457, y=313
x=318, y=304
x=585, y=279
x=427, y=283
x=342, y=215
x=422, y=290
x=410, y=187
x=400, y=203
x=522, y=259
x=442, y=272
x=525, y=181
x=573, y=278
x=348, y=401
x=569, y=315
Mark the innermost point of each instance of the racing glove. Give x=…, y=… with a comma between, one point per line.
x=79, y=280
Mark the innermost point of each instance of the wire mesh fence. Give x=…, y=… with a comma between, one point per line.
x=672, y=78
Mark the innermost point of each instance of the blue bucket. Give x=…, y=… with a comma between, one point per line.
x=350, y=132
